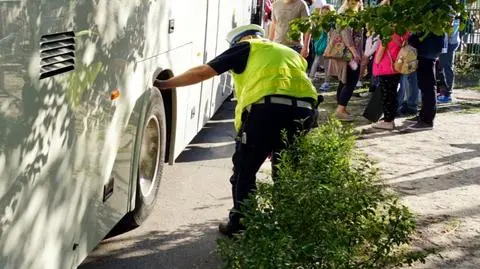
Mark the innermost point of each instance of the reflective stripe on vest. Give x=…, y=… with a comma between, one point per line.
x=272, y=69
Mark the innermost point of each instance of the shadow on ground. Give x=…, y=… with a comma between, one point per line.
x=451, y=226
x=437, y=234
x=215, y=140
x=189, y=247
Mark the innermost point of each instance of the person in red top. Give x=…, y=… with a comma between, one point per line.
x=267, y=17
x=388, y=78
x=268, y=10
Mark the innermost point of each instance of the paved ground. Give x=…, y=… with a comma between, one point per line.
x=194, y=197
x=437, y=173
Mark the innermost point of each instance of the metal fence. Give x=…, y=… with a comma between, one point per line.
x=335, y=3
x=471, y=40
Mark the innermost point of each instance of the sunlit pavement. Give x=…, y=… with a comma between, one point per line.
x=436, y=173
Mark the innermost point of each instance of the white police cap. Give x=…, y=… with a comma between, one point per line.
x=237, y=33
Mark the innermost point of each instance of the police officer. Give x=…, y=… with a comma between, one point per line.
x=273, y=95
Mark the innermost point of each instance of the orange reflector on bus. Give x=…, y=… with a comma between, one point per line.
x=115, y=94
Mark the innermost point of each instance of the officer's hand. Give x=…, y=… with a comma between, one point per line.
x=160, y=84
x=305, y=51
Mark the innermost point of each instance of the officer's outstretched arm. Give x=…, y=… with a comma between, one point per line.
x=194, y=75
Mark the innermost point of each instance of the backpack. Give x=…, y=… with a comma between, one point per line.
x=406, y=62
x=320, y=44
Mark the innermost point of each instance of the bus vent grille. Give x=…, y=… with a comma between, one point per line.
x=57, y=52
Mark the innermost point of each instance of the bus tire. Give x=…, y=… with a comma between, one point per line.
x=151, y=158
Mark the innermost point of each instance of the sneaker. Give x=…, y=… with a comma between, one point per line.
x=443, y=99
x=325, y=87
x=413, y=119
x=344, y=116
x=420, y=126
x=384, y=125
x=359, y=84
x=406, y=111
x=364, y=94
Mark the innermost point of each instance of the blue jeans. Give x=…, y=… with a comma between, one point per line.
x=409, y=91
x=447, y=61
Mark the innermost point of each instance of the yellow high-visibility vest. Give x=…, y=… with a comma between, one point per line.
x=272, y=69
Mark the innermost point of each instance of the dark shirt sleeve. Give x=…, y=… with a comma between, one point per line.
x=414, y=40
x=235, y=58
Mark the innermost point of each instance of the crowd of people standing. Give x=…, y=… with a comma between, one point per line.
x=414, y=94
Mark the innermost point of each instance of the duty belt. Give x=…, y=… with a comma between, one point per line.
x=283, y=101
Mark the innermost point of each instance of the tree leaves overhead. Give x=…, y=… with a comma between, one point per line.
x=427, y=17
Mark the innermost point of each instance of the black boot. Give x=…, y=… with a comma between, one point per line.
x=229, y=229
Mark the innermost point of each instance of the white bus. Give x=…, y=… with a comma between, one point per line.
x=83, y=135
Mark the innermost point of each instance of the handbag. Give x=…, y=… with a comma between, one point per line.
x=374, y=109
x=336, y=49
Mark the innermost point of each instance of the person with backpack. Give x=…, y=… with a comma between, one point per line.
x=388, y=77
x=267, y=18
x=319, y=46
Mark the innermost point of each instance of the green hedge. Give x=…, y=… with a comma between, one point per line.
x=327, y=209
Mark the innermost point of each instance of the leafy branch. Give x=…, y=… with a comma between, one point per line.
x=403, y=15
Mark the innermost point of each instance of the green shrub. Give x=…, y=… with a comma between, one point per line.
x=467, y=65
x=327, y=209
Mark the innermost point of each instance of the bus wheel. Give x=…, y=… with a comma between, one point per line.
x=151, y=158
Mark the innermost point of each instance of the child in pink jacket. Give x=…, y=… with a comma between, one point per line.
x=388, y=79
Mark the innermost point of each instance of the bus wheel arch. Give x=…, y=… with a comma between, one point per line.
x=169, y=104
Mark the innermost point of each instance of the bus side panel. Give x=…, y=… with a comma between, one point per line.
x=120, y=44
x=243, y=9
x=191, y=23
x=185, y=98
x=228, y=12
x=42, y=191
x=238, y=13
x=210, y=53
x=62, y=138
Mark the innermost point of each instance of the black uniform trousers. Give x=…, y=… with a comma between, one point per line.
x=427, y=82
x=260, y=136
